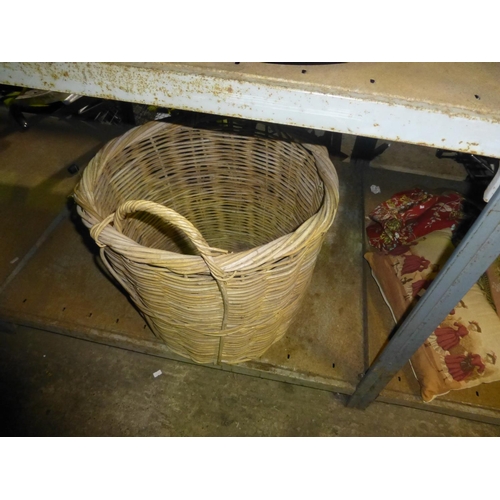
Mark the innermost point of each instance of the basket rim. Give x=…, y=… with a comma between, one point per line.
x=232, y=262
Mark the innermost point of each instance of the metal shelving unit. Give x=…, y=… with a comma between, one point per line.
x=447, y=106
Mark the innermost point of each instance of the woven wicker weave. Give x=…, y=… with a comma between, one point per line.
x=220, y=273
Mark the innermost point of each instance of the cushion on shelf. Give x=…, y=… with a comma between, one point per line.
x=411, y=214
x=461, y=352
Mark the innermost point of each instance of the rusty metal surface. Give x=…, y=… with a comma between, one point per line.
x=451, y=85
x=453, y=106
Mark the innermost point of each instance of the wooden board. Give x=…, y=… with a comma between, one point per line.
x=34, y=181
x=64, y=289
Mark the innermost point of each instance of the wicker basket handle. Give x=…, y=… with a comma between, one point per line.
x=168, y=215
x=171, y=216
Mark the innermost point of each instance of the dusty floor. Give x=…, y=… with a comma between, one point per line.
x=51, y=385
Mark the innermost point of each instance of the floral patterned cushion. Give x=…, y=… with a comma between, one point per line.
x=461, y=352
x=409, y=215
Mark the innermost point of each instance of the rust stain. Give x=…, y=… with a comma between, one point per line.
x=376, y=125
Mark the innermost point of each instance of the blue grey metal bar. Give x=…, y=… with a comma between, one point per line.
x=476, y=252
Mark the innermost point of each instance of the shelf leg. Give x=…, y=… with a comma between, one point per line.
x=476, y=252
x=334, y=144
x=364, y=149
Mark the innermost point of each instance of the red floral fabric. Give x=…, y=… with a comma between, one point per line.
x=448, y=336
x=410, y=215
x=418, y=286
x=413, y=263
x=461, y=366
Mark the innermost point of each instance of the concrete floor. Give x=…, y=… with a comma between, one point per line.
x=52, y=385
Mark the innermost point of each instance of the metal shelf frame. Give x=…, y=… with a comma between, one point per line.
x=454, y=106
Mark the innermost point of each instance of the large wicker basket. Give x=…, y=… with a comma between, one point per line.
x=213, y=235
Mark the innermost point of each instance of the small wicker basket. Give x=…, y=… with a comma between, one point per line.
x=213, y=235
